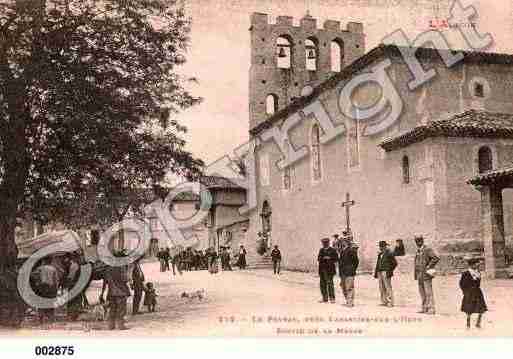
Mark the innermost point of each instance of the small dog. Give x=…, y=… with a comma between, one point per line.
x=199, y=294
x=100, y=312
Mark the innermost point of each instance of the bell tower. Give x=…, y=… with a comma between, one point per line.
x=286, y=58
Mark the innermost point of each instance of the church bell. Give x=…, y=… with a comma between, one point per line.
x=311, y=54
x=281, y=52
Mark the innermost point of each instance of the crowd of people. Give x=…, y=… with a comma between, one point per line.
x=55, y=276
x=60, y=274
x=344, y=253
x=190, y=259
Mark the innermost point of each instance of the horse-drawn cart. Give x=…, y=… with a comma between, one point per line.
x=53, y=244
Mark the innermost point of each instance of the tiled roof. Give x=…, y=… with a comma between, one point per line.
x=503, y=175
x=211, y=182
x=389, y=51
x=218, y=182
x=471, y=123
x=186, y=196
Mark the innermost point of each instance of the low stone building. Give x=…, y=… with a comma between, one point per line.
x=226, y=226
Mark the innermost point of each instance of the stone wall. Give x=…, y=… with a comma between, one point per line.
x=437, y=202
x=266, y=78
x=458, y=209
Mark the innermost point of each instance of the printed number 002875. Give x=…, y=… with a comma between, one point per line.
x=54, y=350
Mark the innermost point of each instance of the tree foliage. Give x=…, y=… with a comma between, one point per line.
x=83, y=86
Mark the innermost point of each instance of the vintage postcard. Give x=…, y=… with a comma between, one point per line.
x=255, y=168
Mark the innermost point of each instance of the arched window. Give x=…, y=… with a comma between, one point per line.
x=316, y=153
x=283, y=52
x=271, y=104
x=337, y=55
x=406, y=169
x=485, y=159
x=311, y=54
x=478, y=89
x=287, y=178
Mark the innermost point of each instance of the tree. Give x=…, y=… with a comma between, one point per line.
x=82, y=84
x=108, y=196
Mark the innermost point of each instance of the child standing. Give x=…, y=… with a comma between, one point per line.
x=473, y=299
x=150, y=297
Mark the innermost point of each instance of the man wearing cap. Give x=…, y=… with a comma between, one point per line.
x=327, y=258
x=425, y=261
x=385, y=266
x=347, y=266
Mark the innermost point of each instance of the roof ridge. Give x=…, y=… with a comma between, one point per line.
x=486, y=124
x=356, y=65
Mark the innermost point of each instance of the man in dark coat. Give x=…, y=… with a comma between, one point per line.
x=175, y=262
x=385, y=266
x=167, y=258
x=347, y=266
x=197, y=260
x=74, y=306
x=137, y=286
x=116, y=279
x=225, y=259
x=327, y=258
x=276, y=258
x=47, y=288
x=161, y=258
x=242, y=257
x=425, y=262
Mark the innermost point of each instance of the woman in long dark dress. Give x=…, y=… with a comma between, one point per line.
x=242, y=257
x=473, y=298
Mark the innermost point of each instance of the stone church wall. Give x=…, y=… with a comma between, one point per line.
x=436, y=203
x=459, y=204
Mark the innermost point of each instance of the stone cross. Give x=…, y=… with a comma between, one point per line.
x=347, y=204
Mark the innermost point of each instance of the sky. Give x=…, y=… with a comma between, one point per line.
x=219, y=53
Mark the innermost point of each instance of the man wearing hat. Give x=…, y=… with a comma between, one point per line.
x=425, y=262
x=327, y=258
x=385, y=266
x=276, y=258
x=347, y=269
x=116, y=279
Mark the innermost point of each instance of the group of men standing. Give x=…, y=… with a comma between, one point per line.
x=424, y=272
x=345, y=254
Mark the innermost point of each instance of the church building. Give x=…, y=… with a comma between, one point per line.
x=408, y=179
